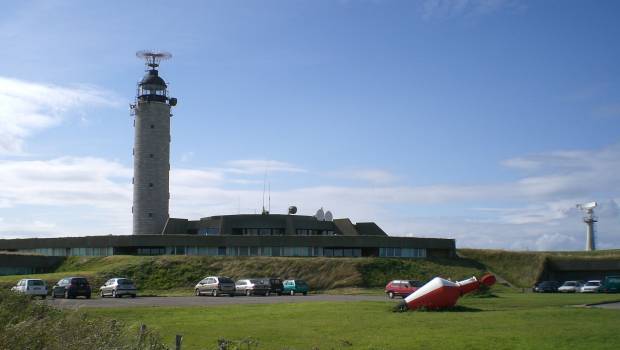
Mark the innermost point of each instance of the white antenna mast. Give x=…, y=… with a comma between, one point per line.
x=269, y=199
x=589, y=219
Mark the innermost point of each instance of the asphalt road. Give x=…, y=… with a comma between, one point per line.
x=205, y=300
x=615, y=306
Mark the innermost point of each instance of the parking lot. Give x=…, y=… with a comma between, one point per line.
x=204, y=301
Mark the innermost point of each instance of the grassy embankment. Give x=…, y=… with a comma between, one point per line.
x=522, y=269
x=169, y=275
x=509, y=321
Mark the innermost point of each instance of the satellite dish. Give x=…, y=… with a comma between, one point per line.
x=320, y=215
x=292, y=210
x=329, y=216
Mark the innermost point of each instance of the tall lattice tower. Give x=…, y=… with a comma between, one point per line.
x=151, y=152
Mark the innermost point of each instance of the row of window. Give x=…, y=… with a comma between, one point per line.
x=235, y=251
x=402, y=252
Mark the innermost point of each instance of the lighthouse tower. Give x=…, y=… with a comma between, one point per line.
x=151, y=152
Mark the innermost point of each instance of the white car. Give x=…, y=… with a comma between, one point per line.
x=591, y=286
x=570, y=287
x=34, y=287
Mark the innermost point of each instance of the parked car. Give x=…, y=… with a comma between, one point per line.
x=71, y=287
x=611, y=284
x=275, y=285
x=402, y=288
x=591, y=286
x=570, y=287
x=117, y=287
x=295, y=286
x=31, y=286
x=546, y=287
x=215, y=285
x=252, y=286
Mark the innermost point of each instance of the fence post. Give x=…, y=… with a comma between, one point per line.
x=179, y=340
x=142, y=333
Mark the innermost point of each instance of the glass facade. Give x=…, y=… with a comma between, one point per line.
x=389, y=252
x=402, y=252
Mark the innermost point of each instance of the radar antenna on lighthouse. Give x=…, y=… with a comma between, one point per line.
x=153, y=58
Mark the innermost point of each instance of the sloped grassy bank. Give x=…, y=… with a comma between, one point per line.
x=174, y=272
x=522, y=269
x=26, y=324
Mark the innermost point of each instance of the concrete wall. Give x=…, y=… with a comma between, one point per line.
x=11, y=264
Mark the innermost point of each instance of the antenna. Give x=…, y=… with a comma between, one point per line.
x=589, y=218
x=152, y=58
x=269, y=198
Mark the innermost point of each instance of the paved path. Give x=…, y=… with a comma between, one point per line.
x=206, y=300
x=615, y=306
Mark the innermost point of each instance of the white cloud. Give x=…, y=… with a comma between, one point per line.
x=536, y=211
x=376, y=176
x=258, y=166
x=27, y=107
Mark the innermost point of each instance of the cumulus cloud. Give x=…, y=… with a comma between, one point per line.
x=536, y=211
x=27, y=107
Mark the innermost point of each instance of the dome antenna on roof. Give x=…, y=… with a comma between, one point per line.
x=153, y=58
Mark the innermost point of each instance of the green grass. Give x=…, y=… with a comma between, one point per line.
x=170, y=275
x=509, y=321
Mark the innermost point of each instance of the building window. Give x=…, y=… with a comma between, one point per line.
x=151, y=155
x=150, y=215
x=150, y=184
x=152, y=126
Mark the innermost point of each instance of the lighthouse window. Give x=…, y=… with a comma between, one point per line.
x=152, y=126
x=150, y=184
x=150, y=215
x=151, y=155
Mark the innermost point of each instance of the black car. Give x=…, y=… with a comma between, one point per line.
x=547, y=287
x=71, y=287
x=275, y=285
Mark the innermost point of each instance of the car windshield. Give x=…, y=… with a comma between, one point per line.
x=124, y=281
x=225, y=280
x=35, y=283
x=257, y=281
x=79, y=281
x=570, y=284
x=613, y=279
x=300, y=283
x=415, y=283
x=593, y=284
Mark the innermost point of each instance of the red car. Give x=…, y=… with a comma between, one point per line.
x=401, y=288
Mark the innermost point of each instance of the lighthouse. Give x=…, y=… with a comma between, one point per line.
x=151, y=151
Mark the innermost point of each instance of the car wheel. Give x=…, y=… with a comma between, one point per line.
x=214, y=292
x=66, y=294
x=101, y=294
x=292, y=292
x=267, y=293
x=305, y=293
x=391, y=295
x=197, y=292
x=248, y=292
x=87, y=296
x=43, y=297
x=133, y=296
x=114, y=295
x=232, y=295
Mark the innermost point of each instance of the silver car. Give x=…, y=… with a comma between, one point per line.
x=252, y=286
x=33, y=287
x=214, y=286
x=117, y=287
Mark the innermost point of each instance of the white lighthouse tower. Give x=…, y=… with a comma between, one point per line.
x=589, y=219
x=151, y=152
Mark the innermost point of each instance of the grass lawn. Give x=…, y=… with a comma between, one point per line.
x=509, y=321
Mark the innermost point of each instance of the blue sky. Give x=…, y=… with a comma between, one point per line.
x=482, y=120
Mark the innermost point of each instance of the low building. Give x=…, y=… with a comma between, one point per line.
x=246, y=235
